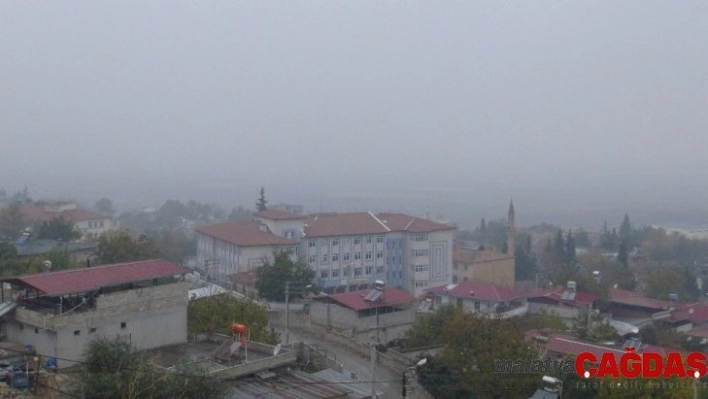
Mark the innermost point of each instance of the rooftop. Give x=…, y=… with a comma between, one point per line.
x=581, y=299
x=470, y=256
x=276, y=214
x=571, y=346
x=360, y=223
x=633, y=298
x=355, y=299
x=478, y=291
x=694, y=312
x=288, y=384
x=74, y=281
x=411, y=224
x=39, y=213
x=244, y=234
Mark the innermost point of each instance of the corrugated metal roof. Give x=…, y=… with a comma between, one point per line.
x=355, y=299
x=90, y=279
x=291, y=385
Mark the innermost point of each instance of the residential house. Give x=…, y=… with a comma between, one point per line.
x=483, y=265
x=232, y=247
x=566, y=302
x=351, y=251
x=688, y=316
x=635, y=308
x=90, y=224
x=60, y=312
x=79, y=251
x=377, y=315
x=483, y=298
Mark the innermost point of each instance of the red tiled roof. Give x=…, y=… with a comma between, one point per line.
x=571, y=346
x=633, y=298
x=38, y=213
x=343, y=224
x=554, y=295
x=355, y=299
x=244, y=234
x=275, y=214
x=411, y=224
x=482, y=291
x=694, y=312
x=72, y=281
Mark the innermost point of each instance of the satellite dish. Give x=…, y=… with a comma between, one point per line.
x=276, y=350
x=47, y=265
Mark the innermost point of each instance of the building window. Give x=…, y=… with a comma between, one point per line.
x=36, y=330
x=420, y=268
x=77, y=332
x=335, y=257
x=335, y=242
x=357, y=255
x=369, y=256
x=476, y=305
x=379, y=269
x=311, y=244
x=421, y=283
x=324, y=242
x=346, y=272
x=346, y=241
x=325, y=258
x=313, y=259
x=419, y=252
x=346, y=256
x=379, y=255
x=123, y=325
x=369, y=239
x=357, y=272
x=420, y=237
x=324, y=273
x=357, y=240
x=335, y=273
x=92, y=330
x=379, y=239
x=369, y=270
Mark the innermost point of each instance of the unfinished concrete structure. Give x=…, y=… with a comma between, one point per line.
x=59, y=312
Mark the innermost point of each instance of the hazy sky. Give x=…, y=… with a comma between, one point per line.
x=588, y=104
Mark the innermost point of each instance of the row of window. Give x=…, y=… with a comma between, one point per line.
x=92, y=330
x=419, y=252
x=347, y=256
x=420, y=268
x=357, y=272
x=421, y=283
x=95, y=225
x=420, y=237
x=345, y=241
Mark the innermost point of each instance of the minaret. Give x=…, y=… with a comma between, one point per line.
x=511, y=230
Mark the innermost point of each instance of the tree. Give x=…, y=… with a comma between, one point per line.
x=273, y=276
x=174, y=245
x=262, y=201
x=115, y=369
x=122, y=246
x=9, y=264
x=105, y=206
x=570, y=256
x=216, y=313
x=427, y=329
x=12, y=222
x=625, y=227
x=582, y=239
x=483, y=226
x=240, y=214
x=58, y=228
x=622, y=254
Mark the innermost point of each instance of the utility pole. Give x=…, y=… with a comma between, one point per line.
x=373, y=371
x=287, y=312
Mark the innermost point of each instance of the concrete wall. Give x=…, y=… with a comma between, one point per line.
x=150, y=317
x=362, y=329
x=560, y=311
x=501, y=272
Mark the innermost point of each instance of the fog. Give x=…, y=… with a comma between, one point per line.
x=580, y=111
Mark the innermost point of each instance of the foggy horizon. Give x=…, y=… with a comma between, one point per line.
x=580, y=112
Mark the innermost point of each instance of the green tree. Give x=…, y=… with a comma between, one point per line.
x=59, y=257
x=483, y=226
x=115, y=369
x=58, y=228
x=622, y=254
x=262, y=201
x=216, y=313
x=174, y=245
x=427, y=329
x=12, y=222
x=526, y=261
x=122, y=246
x=9, y=263
x=625, y=228
x=240, y=214
x=582, y=239
x=570, y=256
x=272, y=277
x=105, y=206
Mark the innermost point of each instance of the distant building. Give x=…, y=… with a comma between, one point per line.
x=60, y=312
x=635, y=308
x=232, y=247
x=296, y=209
x=90, y=224
x=565, y=302
x=350, y=251
x=483, y=265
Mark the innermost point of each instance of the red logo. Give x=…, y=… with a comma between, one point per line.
x=645, y=365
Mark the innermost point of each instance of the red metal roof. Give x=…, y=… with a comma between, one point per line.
x=554, y=295
x=90, y=279
x=355, y=299
x=244, y=234
x=571, y=346
x=275, y=214
x=695, y=313
x=482, y=291
x=633, y=298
